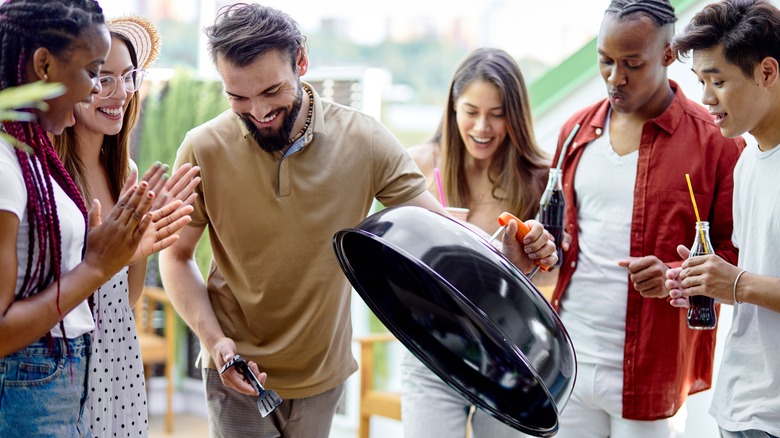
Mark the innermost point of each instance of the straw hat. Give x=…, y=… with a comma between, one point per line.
x=141, y=33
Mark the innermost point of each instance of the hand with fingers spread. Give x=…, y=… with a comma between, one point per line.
x=113, y=241
x=647, y=274
x=171, y=209
x=537, y=245
x=155, y=177
x=180, y=186
x=161, y=232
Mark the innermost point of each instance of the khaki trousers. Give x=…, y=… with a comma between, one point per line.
x=235, y=415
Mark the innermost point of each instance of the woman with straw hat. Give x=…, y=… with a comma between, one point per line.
x=95, y=151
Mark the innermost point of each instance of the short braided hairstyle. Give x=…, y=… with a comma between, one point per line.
x=660, y=11
x=26, y=25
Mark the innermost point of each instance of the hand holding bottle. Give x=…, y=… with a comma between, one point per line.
x=707, y=275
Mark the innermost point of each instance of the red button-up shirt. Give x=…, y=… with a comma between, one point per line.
x=664, y=360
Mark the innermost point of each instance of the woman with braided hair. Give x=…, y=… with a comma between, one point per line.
x=48, y=269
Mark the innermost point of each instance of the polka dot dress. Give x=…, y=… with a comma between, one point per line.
x=117, y=394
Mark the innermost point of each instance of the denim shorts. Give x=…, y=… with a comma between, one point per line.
x=43, y=389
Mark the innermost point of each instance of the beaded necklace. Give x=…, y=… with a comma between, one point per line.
x=308, y=116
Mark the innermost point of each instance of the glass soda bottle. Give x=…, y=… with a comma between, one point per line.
x=552, y=209
x=701, y=309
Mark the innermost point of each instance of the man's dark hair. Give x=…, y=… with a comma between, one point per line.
x=660, y=11
x=748, y=30
x=242, y=32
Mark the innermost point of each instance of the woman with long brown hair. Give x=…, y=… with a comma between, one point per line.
x=489, y=162
x=485, y=147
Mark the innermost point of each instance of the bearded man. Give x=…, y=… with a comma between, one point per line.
x=282, y=171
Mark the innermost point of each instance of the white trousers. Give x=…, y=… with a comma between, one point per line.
x=431, y=409
x=595, y=410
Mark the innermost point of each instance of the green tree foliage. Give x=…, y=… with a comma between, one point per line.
x=183, y=103
x=178, y=47
x=425, y=64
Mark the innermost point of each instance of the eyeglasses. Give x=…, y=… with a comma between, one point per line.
x=131, y=80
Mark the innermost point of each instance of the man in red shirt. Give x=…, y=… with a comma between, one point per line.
x=627, y=208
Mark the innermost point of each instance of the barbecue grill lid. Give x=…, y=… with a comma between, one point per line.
x=465, y=311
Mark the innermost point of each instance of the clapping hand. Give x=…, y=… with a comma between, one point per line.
x=171, y=209
x=112, y=241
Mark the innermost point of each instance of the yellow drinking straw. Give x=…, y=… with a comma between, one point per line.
x=696, y=210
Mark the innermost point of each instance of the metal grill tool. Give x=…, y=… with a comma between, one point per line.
x=267, y=400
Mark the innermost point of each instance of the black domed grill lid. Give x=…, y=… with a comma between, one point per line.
x=465, y=311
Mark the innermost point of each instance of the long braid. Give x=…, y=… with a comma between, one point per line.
x=48, y=217
x=33, y=214
x=62, y=176
x=660, y=11
x=26, y=25
x=53, y=220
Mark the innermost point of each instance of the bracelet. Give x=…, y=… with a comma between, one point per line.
x=734, y=291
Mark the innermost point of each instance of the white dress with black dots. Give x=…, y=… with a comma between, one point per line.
x=116, y=375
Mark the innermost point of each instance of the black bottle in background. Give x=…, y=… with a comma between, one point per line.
x=552, y=210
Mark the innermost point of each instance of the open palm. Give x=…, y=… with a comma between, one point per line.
x=171, y=209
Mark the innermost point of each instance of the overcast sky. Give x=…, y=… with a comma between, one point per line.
x=545, y=30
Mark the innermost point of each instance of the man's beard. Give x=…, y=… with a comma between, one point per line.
x=272, y=141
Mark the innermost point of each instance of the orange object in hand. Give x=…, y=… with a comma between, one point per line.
x=522, y=230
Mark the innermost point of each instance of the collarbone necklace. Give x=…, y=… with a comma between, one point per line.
x=308, y=117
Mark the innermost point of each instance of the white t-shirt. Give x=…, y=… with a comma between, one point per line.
x=593, y=309
x=13, y=198
x=747, y=393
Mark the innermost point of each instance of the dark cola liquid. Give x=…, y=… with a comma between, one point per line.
x=553, y=217
x=701, y=310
